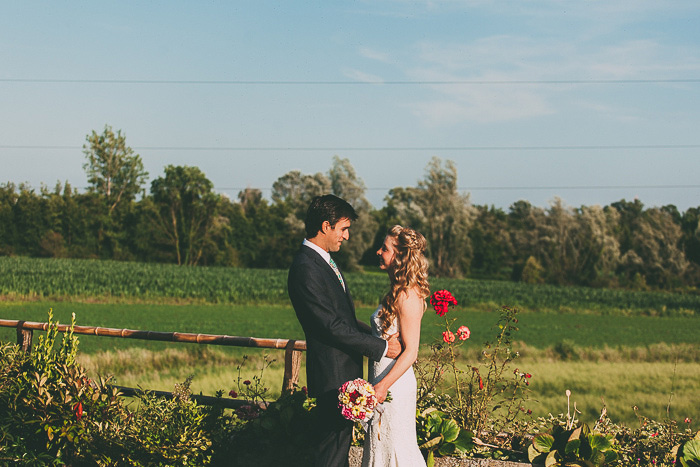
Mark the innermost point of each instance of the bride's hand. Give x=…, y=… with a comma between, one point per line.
x=380, y=391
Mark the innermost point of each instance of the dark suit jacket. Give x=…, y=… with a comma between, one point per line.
x=335, y=343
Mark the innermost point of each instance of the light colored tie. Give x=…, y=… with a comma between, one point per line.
x=337, y=272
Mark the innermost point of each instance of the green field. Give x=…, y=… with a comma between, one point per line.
x=627, y=360
x=628, y=348
x=537, y=330
x=56, y=279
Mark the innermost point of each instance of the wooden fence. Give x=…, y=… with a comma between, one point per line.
x=292, y=349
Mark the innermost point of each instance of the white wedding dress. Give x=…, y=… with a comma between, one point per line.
x=390, y=440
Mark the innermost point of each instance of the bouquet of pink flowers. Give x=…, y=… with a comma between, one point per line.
x=357, y=400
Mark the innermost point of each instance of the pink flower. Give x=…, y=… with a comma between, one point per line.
x=464, y=333
x=448, y=337
x=441, y=300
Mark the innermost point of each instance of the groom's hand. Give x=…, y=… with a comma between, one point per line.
x=395, y=347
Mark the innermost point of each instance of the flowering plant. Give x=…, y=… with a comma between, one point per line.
x=357, y=400
x=441, y=300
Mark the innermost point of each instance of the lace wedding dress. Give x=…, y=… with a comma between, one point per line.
x=390, y=440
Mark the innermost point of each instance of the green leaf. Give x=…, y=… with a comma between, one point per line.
x=691, y=450
x=597, y=457
x=572, y=446
x=585, y=451
x=543, y=442
x=599, y=442
x=610, y=456
x=447, y=449
x=464, y=442
x=431, y=459
x=449, y=430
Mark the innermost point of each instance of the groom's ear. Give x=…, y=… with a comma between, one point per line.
x=325, y=227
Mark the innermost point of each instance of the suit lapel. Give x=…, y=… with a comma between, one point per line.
x=329, y=270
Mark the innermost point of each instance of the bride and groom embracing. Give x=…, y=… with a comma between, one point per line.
x=336, y=341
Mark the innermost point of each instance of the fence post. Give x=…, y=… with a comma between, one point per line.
x=292, y=365
x=24, y=337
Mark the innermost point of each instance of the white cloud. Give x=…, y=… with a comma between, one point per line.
x=372, y=54
x=511, y=59
x=361, y=76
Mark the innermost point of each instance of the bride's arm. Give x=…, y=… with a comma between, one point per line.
x=411, y=308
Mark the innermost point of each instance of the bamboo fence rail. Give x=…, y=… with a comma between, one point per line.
x=292, y=348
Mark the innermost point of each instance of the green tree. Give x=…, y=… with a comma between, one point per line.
x=185, y=213
x=347, y=185
x=656, y=252
x=441, y=214
x=8, y=231
x=491, y=243
x=294, y=191
x=113, y=170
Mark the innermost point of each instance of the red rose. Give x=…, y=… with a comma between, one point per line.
x=233, y=393
x=464, y=333
x=441, y=300
x=246, y=382
x=448, y=337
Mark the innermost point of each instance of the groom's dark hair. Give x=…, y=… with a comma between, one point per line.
x=326, y=208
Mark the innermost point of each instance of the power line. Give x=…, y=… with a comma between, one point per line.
x=375, y=148
x=343, y=83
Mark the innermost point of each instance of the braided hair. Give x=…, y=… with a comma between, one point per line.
x=408, y=270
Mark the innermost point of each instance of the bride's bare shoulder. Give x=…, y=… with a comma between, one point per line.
x=411, y=300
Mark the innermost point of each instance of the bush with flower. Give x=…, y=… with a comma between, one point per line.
x=485, y=398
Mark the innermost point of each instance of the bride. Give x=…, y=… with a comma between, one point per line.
x=391, y=440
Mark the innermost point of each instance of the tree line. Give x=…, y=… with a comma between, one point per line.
x=181, y=219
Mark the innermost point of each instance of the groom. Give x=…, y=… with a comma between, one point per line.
x=335, y=340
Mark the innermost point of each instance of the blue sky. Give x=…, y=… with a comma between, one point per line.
x=591, y=101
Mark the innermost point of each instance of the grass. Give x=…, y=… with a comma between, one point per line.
x=618, y=385
x=537, y=330
x=651, y=386
x=627, y=360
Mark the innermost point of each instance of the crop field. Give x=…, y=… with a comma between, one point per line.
x=32, y=278
x=615, y=347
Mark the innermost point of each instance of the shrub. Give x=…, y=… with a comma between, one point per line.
x=489, y=396
x=278, y=435
x=51, y=413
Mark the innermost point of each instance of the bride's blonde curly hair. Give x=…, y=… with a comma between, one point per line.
x=408, y=270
